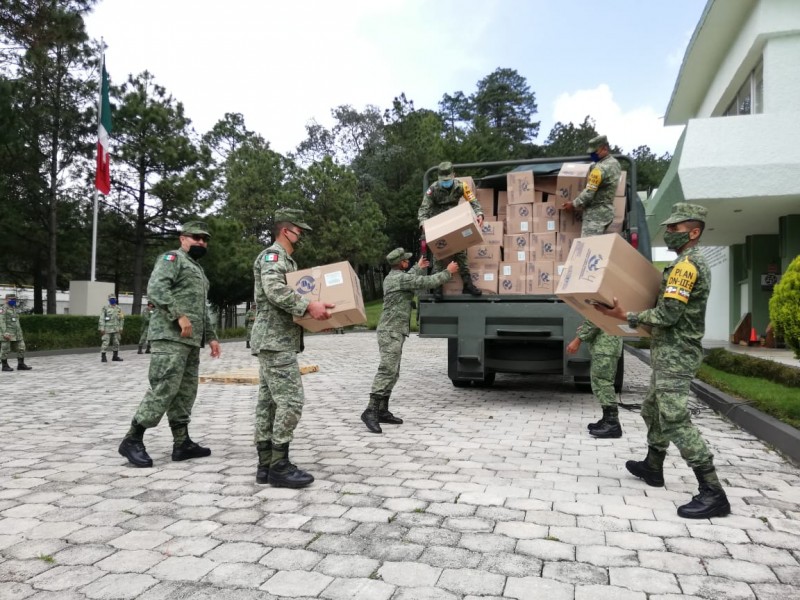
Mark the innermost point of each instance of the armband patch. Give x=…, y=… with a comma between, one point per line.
x=681, y=281
x=595, y=179
x=469, y=196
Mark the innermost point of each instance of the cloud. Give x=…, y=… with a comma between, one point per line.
x=627, y=129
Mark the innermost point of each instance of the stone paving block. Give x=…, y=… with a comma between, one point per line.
x=471, y=581
x=140, y=540
x=399, y=505
x=450, y=558
x=536, y=588
x=645, y=580
x=774, y=591
x=546, y=549
x=777, y=539
x=182, y=568
x=84, y=554
x=606, y=556
x=695, y=547
x=119, y=585
x=423, y=593
x=235, y=574
x=521, y=531
x=34, y=549
x=717, y=533
x=511, y=565
x=131, y=561
x=12, y=590
x=713, y=588
x=66, y=578
x=187, y=546
x=11, y=526
x=789, y=575
x=22, y=570
x=601, y=523
x=432, y=536
x=416, y=519
x=607, y=592
x=288, y=559
x=575, y=573
x=324, y=525
x=337, y=544
x=578, y=535
x=634, y=541
x=394, y=551
x=740, y=570
x=468, y=524
x=672, y=563
x=660, y=528
x=337, y=565
x=358, y=589
x=239, y=552
x=296, y=584
x=487, y=542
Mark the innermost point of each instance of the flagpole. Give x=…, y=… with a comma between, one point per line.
x=96, y=193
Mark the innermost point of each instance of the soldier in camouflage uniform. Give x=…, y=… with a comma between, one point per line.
x=678, y=322
x=11, y=338
x=596, y=201
x=443, y=195
x=180, y=325
x=249, y=320
x=393, y=329
x=110, y=325
x=604, y=350
x=276, y=340
x=148, y=312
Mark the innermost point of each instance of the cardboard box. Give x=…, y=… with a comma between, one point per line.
x=512, y=277
x=619, y=215
x=520, y=187
x=453, y=286
x=516, y=248
x=485, y=253
x=486, y=200
x=563, y=244
x=542, y=281
x=558, y=269
x=546, y=184
x=543, y=246
x=538, y=196
x=469, y=181
x=570, y=221
x=336, y=283
x=519, y=218
x=492, y=232
x=621, y=185
x=545, y=217
x=502, y=205
x=571, y=182
x=484, y=276
x=604, y=267
x=452, y=231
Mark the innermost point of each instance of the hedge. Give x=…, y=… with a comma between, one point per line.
x=61, y=332
x=784, y=306
x=749, y=366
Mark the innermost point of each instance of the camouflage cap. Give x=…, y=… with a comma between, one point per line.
x=445, y=171
x=683, y=211
x=397, y=255
x=195, y=228
x=596, y=142
x=110, y=296
x=293, y=216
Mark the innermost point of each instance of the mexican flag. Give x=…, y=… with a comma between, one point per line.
x=102, y=180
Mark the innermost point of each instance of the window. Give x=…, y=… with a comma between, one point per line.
x=749, y=99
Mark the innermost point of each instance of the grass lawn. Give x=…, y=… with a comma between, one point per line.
x=374, y=312
x=779, y=401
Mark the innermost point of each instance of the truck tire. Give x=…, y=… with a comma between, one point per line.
x=487, y=381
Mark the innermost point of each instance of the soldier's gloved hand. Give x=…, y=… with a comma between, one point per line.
x=452, y=267
x=319, y=310
x=7, y=336
x=185, y=325
x=573, y=346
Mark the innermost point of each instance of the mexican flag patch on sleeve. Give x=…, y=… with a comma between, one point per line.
x=170, y=257
x=271, y=257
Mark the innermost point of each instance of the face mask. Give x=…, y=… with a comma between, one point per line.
x=594, y=156
x=196, y=252
x=446, y=184
x=112, y=302
x=676, y=239
x=12, y=303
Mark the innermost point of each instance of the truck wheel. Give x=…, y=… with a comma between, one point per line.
x=583, y=384
x=620, y=376
x=487, y=381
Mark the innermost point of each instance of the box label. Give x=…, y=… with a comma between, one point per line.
x=334, y=278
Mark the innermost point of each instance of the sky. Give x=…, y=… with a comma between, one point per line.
x=285, y=64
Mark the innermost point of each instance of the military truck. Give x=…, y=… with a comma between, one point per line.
x=505, y=333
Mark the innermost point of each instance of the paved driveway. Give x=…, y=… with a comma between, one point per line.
x=495, y=493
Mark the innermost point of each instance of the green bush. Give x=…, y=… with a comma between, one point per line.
x=748, y=366
x=784, y=307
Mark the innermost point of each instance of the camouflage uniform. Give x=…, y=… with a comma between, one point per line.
x=146, y=314
x=605, y=351
x=676, y=352
x=394, y=323
x=249, y=320
x=597, y=199
x=110, y=325
x=177, y=288
x=11, y=339
x=438, y=199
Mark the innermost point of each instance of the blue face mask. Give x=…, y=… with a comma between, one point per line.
x=112, y=302
x=12, y=303
x=594, y=157
x=446, y=184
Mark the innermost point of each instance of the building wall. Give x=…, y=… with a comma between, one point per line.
x=718, y=310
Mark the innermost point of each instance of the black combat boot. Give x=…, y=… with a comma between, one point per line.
x=183, y=448
x=384, y=416
x=6, y=367
x=103, y=357
x=264, y=458
x=610, y=427
x=282, y=473
x=711, y=501
x=469, y=287
x=140, y=351
x=115, y=357
x=370, y=418
x=651, y=469
x=598, y=423
x=21, y=366
x=132, y=447
x=147, y=351
x=247, y=344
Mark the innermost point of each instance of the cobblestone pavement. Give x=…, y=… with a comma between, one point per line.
x=482, y=493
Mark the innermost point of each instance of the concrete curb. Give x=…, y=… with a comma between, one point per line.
x=779, y=435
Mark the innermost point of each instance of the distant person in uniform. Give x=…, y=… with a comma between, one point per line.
x=443, y=195
x=11, y=332
x=394, y=326
x=249, y=320
x=110, y=325
x=143, y=341
x=676, y=352
x=180, y=326
x=276, y=341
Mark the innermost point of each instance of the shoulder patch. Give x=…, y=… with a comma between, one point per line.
x=170, y=257
x=681, y=281
x=595, y=179
x=430, y=191
x=271, y=257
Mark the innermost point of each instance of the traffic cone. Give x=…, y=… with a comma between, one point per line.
x=753, y=336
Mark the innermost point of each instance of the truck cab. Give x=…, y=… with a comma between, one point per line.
x=504, y=333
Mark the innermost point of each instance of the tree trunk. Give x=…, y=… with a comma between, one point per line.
x=52, y=222
x=139, y=244
x=38, y=305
